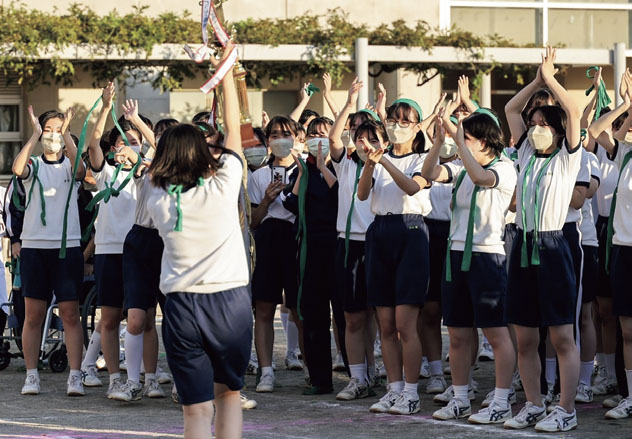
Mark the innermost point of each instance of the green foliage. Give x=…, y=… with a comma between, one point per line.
x=27, y=34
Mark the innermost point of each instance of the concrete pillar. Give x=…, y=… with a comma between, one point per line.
x=486, y=91
x=362, y=69
x=619, y=63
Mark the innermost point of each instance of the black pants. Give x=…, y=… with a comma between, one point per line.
x=313, y=306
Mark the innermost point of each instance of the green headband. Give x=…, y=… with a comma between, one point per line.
x=413, y=104
x=490, y=114
x=372, y=113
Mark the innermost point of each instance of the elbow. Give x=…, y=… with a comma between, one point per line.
x=362, y=195
x=412, y=191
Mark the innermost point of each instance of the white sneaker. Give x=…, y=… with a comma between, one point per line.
x=406, y=404
x=436, y=384
x=516, y=382
x=550, y=396
x=486, y=353
x=75, y=386
x=292, y=362
x=454, y=410
x=354, y=390
x=247, y=404
x=130, y=391
x=377, y=348
x=474, y=385
x=152, y=389
x=90, y=377
x=266, y=384
x=338, y=364
x=558, y=420
x=599, y=375
x=553, y=404
x=448, y=395
x=253, y=364
x=375, y=381
x=527, y=417
x=621, y=411
x=31, y=385
x=163, y=377
x=605, y=387
x=494, y=414
x=511, y=400
x=612, y=402
x=386, y=402
x=116, y=385
x=425, y=369
x=584, y=394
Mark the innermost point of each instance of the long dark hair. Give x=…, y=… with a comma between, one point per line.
x=404, y=111
x=483, y=127
x=182, y=157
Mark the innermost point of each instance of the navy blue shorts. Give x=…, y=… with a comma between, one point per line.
x=397, y=260
x=207, y=339
x=142, y=256
x=571, y=233
x=475, y=298
x=542, y=295
x=511, y=231
x=108, y=277
x=590, y=277
x=43, y=273
x=438, y=233
x=621, y=278
x=275, y=271
x=605, y=289
x=351, y=280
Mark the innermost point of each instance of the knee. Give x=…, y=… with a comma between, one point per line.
x=109, y=323
x=407, y=331
x=458, y=341
x=204, y=409
x=527, y=346
x=563, y=344
x=388, y=330
x=626, y=332
x=34, y=319
x=264, y=313
x=135, y=324
x=354, y=323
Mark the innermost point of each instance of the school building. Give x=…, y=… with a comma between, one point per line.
x=588, y=32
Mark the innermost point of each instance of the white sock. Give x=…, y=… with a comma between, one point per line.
x=92, y=352
x=460, y=394
x=267, y=370
x=359, y=371
x=133, y=355
x=550, y=371
x=397, y=386
x=115, y=376
x=292, y=336
x=585, y=372
x=628, y=375
x=601, y=359
x=74, y=372
x=150, y=377
x=501, y=396
x=32, y=372
x=284, y=319
x=610, y=368
x=435, y=367
x=411, y=389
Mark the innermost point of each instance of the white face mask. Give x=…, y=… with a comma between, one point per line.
x=312, y=146
x=448, y=149
x=281, y=148
x=628, y=137
x=541, y=138
x=52, y=142
x=136, y=148
x=346, y=138
x=256, y=156
x=399, y=135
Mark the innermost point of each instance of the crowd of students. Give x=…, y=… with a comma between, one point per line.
x=390, y=221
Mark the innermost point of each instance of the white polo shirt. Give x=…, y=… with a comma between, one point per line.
x=587, y=221
x=623, y=211
x=259, y=182
x=583, y=179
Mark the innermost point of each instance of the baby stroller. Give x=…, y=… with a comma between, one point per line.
x=52, y=349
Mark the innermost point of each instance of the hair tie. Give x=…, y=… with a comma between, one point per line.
x=488, y=113
x=372, y=113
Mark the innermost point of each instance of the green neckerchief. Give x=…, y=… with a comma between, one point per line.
x=513, y=156
x=14, y=268
x=302, y=231
x=36, y=180
x=82, y=141
x=15, y=196
x=176, y=189
x=359, y=166
x=626, y=159
x=535, y=253
x=469, y=237
x=603, y=100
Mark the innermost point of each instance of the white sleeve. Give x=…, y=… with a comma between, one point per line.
x=255, y=193
x=584, y=171
x=622, y=149
x=595, y=168
x=454, y=168
x=506, y=176
x=229, y=176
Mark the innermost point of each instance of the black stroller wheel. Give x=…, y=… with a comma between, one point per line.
x=5, y=359
x=58, y=360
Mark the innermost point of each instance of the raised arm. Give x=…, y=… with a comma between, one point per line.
x=425, y=124
x=335, y=134
x=448, y=125
x=432, y=170
x=513, y=109
x=21, y=160
x=71, y=148
x=94, y=148
x=573, y=115
x=232, y=125
x=380, y=106
x=480, y=176
x=327, y=93
x=296, y=113
x=589, y=110
x=373, y=157
x=464, y=92
x=599, y=127
x=130, y=110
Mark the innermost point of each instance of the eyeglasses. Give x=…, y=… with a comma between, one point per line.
x=401, y=123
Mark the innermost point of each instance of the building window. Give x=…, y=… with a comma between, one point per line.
x=10, y=126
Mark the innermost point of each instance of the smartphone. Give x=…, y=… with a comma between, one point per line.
x=279, y=173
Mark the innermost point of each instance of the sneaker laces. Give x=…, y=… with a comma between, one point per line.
x=74, y=380
x=390, y=396
x=31, y=380
x=523, y=413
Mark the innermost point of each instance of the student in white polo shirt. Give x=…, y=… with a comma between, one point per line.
x=475, y=275
x=48, y=181
x=541, y=289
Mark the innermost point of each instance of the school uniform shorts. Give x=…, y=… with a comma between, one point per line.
x=142, y=258
x=438, y=232
x=542, y=295
x=397, y=260
x=511, y=231
x=351, y=279
x=275, y=271
x=475, y=298
x=108, y=277
x=590, y=276
x=605, y=289
x=621, y=278
x=43, y=273
x=207, y=339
